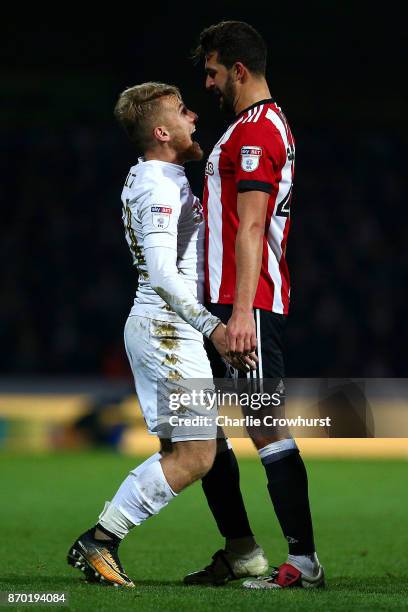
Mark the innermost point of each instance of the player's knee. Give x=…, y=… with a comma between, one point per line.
x=260, y=441
x=166, y=446
x=222, y=445
x=196, y=457
x=205, y=461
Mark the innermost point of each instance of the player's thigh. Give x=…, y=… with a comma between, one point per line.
x=142, y=362
x=179, y=351
x=183, y=370
x=268, y=380
x=270, y=327
x=166, y=357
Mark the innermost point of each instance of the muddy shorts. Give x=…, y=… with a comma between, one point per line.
x=173, y=378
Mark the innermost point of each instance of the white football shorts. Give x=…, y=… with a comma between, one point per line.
x=168, y=359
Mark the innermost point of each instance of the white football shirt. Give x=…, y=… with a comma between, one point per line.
x=162, y=220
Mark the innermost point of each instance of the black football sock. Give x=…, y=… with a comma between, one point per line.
x=109, y=537
x=288, y=489
x=221, y=488
x=241, y=546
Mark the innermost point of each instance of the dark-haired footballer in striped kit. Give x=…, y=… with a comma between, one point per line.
x=247, y=198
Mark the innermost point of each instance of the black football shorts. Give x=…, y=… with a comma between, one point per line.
x=270, y=329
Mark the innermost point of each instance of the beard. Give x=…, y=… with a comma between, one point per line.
x=195, y=152
x=185, y=152
x=227, y=97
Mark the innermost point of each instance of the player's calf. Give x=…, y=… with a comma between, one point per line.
x=146, y=490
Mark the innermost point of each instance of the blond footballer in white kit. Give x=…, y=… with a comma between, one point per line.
x=164, y=332
x=165, y=328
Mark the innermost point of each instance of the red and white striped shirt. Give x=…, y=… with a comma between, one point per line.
x=257, y=152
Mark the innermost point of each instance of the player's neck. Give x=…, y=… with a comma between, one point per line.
x=251, y=93
x=164, y=155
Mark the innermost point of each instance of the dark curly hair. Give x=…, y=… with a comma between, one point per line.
x=234, y=41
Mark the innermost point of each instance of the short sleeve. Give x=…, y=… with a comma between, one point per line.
x=159, y=213
x=259, y=155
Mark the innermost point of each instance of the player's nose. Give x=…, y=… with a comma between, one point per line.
x=209, y=82
x=193, y=116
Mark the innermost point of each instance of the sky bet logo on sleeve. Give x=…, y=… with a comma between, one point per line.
x=161, y=216
x=250, y=156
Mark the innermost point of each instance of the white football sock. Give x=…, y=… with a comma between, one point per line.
x=143, y=493
x=277, y=450
x=114, y=521
x=149, y=460
x=307, y=564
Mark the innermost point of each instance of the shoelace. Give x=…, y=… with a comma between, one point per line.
x=108, y=554
x=274, y=574
x=112, y=560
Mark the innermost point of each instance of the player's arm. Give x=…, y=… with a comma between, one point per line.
x=252, y=207
x=160, y=250
x=161, y=262
x=159, y=214
x=168, y=283
x=257, y=153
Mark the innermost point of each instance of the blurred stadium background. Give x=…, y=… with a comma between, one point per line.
x=66, y=393
x=66, y=279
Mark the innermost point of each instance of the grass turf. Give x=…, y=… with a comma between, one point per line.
x=360, y=516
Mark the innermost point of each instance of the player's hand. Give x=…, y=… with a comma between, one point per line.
x=241, y=333
x=218, y=339
x=240, y=362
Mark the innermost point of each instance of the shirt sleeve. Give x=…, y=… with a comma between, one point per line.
x=259, y=155
x=160, y=250
x=159, y=214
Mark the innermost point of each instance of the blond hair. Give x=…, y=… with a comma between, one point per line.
x=137, y=108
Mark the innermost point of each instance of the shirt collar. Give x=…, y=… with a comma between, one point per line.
x=266, y=101
x=172, y=168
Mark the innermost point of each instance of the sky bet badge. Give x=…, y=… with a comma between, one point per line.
x=250, y=157
x=161, y=216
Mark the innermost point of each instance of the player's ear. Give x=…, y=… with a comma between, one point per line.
x=239, y=71
x=161, y=133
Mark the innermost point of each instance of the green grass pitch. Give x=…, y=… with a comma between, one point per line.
x=361, y=528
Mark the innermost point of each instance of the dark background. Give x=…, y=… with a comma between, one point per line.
x=67, y=283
